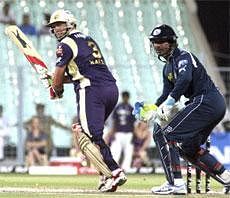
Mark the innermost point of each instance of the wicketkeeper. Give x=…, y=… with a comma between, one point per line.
x=183, y=74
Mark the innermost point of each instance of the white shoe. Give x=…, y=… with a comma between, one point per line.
x=226, y=190
x=111, y=184
x=178, y=188
x=101, y=181
x=225, y=176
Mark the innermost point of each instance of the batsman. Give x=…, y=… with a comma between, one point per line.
x=187, y=130
x=80, y=62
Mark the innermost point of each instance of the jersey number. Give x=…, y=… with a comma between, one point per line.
x=98, y=59
x=96, y=52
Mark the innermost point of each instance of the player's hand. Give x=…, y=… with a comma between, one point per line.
x=54, y=95
x=76, y=127
x=165, y=108
x=145, y=112
x=46, y=79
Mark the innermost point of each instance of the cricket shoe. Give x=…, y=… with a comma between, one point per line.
x=179, y=188
x=101, y=181
x=226, y=189
x=111, y=184
x=225, y=176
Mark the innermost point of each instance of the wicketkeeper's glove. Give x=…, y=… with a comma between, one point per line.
x=145, y=112
x=164, y=110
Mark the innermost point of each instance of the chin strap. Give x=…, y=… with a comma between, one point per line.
x=160, y=58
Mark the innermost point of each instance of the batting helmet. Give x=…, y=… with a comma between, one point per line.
x=163, y=33
x=62, y=16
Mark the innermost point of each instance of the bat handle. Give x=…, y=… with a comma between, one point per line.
x=52, y=93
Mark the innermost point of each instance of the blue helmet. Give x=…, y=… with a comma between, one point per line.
x=163, y=33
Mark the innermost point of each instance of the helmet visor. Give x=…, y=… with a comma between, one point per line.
x=161, y=40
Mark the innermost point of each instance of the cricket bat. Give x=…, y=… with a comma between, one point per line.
x=27, y=48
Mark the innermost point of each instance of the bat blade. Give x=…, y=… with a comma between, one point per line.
x=29, y=51
x=25, y=45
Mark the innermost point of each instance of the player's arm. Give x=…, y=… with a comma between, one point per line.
x=64, y=54
x=167, y=88
x=67, y=80
x=58, y=79
x=184, y=78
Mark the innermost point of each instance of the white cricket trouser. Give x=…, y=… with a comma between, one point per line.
x=1, y=148
x=123, y=142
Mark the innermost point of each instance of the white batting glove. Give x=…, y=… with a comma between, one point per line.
x=46, y=80
x=165, y=108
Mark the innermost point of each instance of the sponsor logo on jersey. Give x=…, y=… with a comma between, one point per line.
x=59, y=51
x=170, y=76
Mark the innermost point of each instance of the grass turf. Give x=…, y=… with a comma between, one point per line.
x=138, y=185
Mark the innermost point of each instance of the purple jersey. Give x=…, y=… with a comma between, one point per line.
x=123, y=118
x=85, y=63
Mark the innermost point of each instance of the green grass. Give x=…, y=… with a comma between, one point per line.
x=55, y=186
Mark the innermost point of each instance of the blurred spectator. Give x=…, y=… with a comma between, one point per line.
x=141, y=141
x=122, y=130
x=3, y=132
x=36, y=144
x=44, y=30
x=27, y=27
x=6, y=15
x=46, y=122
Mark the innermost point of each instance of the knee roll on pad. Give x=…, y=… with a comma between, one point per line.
x=93, y=154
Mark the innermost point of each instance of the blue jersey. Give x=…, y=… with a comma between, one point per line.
x=123, y=118
x=85, y=63
x=184, y=75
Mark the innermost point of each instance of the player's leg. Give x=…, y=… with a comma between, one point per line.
x=203, y=160
x=163, y=150
x=109, y=97
x=175, y=160
x=171, y=164
x=92, y=117
x=192, y=127
x=90, y=150
x=95, y=105
x=209, y=164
